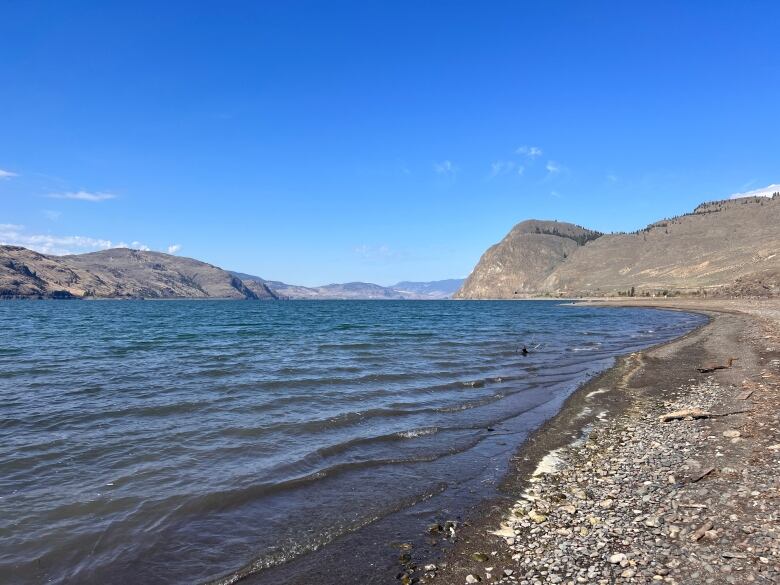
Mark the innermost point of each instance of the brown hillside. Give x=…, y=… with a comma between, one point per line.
x=116, y=273
x=723, y=248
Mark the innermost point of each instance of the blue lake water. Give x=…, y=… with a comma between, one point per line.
x=180, y=441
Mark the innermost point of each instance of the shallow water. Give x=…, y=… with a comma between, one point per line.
x=179, y=441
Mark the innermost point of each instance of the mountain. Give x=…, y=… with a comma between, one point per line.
x=729, y=247
x=441, y=289
x=116, y=273
x=520, y=263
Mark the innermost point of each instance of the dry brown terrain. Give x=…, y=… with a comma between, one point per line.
x=723, y=248
x=116, y=273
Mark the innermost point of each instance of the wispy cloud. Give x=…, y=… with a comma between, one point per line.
x=553, y=167
x=378, y=253
x=7, y=174
x=763, y=192
x=612, y=178
x=529, y=151
x=52, y=214
x=18, y=235
x=134, y=245
x=501, y=167
x=174, y=248
x=445, y=167
x=83, y=196
x=366, y=251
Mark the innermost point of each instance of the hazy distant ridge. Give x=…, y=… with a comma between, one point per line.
x=405, y=290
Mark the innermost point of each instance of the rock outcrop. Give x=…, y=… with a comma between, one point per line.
x=721, y=248
x=520, y=263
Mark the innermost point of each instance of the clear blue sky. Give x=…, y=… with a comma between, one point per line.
x=318, y=142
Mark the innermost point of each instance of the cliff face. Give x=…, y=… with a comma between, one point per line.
x=520, y=263
x=116, y=273
x=723, y=247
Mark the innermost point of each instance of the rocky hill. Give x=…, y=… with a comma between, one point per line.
x=116, y=273
x=722, y=248
x=520, y=263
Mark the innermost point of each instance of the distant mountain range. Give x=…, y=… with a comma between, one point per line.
x=406, y=290
x=722, y=248
x=122, y=273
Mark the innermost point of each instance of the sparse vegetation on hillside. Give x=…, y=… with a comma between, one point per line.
x=581, y=239
x=722, y=248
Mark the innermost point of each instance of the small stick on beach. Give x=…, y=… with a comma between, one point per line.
x=696, y=413
x=712, y=367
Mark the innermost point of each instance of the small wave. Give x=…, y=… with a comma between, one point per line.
x=418, y=433
x=474, y=383
x=347, y=346
x=348, y=326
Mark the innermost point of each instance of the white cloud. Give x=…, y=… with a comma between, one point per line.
x=173, y=248
x=520, y=169
x=17, y=235
x=52, y=214
x=7, y=174
x=553, y=167
x=83, y=196
x=764, y=192
x=500, y=167
x=529, y=151
x=445, y=168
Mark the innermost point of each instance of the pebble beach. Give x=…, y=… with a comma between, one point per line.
x=664, y=469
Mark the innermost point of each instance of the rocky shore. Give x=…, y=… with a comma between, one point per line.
x=654, y=472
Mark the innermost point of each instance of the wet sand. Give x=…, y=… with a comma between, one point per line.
x=627, y=498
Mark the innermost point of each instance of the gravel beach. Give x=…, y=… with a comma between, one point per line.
x=663, y=469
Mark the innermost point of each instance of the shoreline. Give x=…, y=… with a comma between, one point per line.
x=423, y=550
x=504, y=534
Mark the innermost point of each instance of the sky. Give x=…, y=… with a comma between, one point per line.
x=379, y=141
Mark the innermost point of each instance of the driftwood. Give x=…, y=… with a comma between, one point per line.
x=706, y=369
x=694, y=413
x=685, y=413
x=702, y=475
x=744, y=395
x=700, y=532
